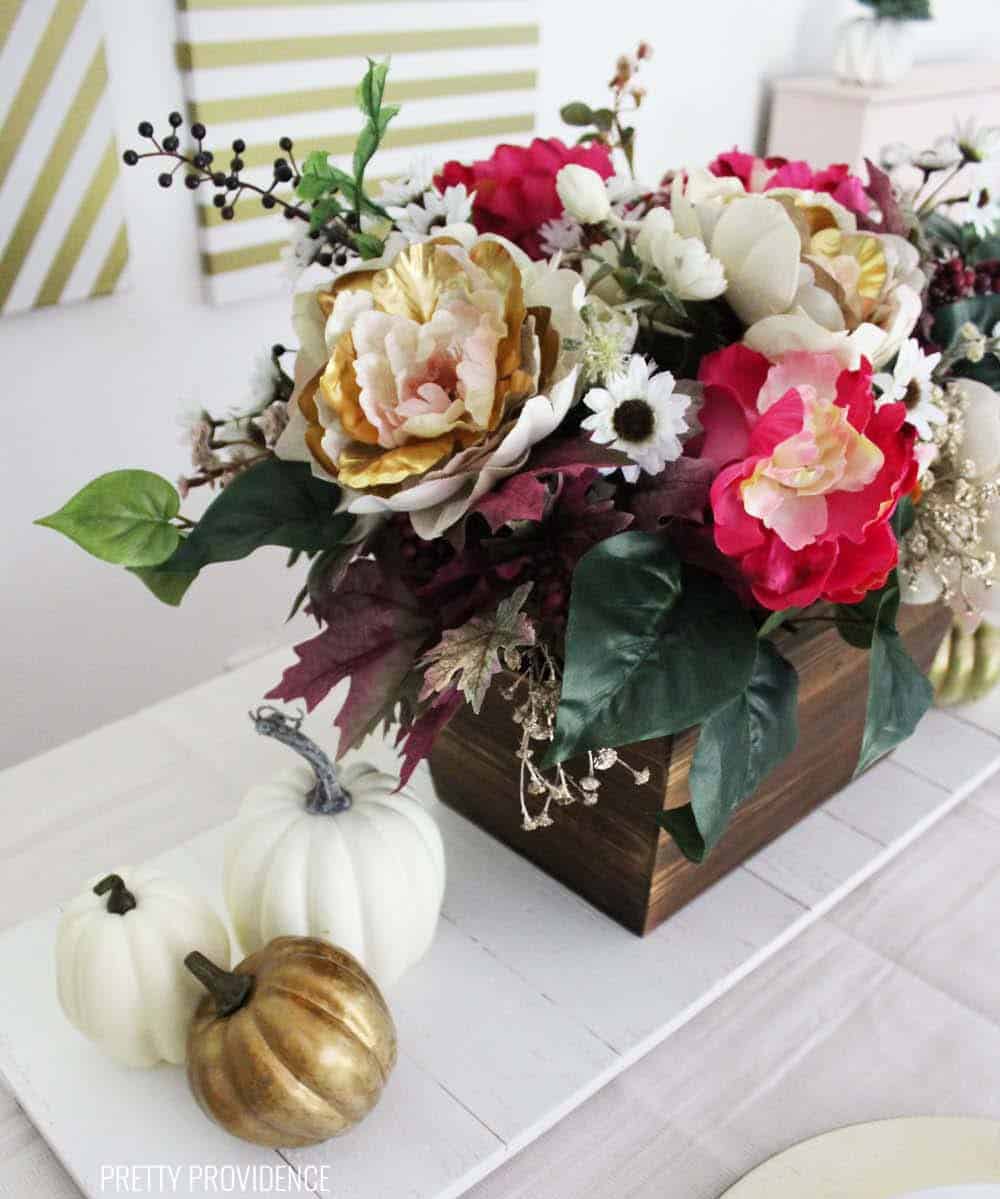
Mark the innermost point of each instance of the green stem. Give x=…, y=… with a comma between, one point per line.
x=229, y=989
x=120, y=898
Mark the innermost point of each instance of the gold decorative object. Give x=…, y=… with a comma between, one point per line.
x=967, y=665
x=293, y=1046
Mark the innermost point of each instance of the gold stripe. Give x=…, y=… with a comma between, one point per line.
x=283, y=104
x=418, y=135
x=205, y=5
x=8, y=15
x=81, y=227
x=205, y=55
x=114, y=264
x=238, y=260
x=36, y=206
x=29, y=95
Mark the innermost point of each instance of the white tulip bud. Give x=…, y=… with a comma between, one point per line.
x=583, y=194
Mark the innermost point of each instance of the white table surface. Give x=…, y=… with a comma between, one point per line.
x=888, y=1006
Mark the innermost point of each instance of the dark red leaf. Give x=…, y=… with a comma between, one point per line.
x=881, y=191
x=418, y=739
x=680, y=490
x=374, y=628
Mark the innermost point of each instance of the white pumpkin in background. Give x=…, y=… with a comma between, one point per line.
x=341, y=855
x=120, y=951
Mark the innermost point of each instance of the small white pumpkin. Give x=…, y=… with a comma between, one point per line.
x=343, y=856
x=120, y=951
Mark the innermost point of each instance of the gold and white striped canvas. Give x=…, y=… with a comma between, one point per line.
x=465, y=72
x=62, y=232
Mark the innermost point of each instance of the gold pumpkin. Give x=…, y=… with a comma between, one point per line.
x=967, y=665
x=292, y=1047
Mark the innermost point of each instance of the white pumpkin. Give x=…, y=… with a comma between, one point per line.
x=120, y=951
x=366, y=873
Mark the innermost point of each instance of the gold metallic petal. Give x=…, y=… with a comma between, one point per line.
x=339, y=391
x=363, y=468
x=413, y=286
x=496, y=261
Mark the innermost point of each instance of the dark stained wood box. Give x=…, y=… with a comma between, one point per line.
x=614, y=854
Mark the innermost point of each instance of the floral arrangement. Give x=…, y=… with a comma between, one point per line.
x=591, y=442
x=900, y=10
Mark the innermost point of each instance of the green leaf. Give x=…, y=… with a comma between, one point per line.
x=943, y=228
x=577, y=113
x=603, y=118
x=898, y=696
x=122, y=517
x=986, y=250
x=738, y=746
x=370, y=94
x=273, y=503
x=168, y=586
x=647, y=652
x=371, y=89
x=368, y=246
x=857, y=623
x=904, y=516
x=982, y=311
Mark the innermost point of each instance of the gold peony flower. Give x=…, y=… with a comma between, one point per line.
x=439, y=349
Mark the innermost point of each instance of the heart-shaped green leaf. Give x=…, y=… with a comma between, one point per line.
x=648, y=651
x=122, y=517
x=738, y=746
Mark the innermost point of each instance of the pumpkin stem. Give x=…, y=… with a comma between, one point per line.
x=120, y=898
x=229, y=989
x=327, y=796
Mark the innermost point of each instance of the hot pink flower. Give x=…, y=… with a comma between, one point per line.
x=811, y=474
x=761, y=174
x=516, y=187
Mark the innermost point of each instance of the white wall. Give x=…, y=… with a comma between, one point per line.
x=97, y=386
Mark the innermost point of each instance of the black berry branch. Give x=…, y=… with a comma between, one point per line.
x=336, y=237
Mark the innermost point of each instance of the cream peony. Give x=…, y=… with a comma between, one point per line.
x=796, y=259
x=684, y=264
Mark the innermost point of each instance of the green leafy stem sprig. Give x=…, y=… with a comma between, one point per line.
x=609, y=125
x=334, y=199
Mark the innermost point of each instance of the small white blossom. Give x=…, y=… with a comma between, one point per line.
x=639, y=413
x=912, y=383
x=562, y=236
x=973, y=342
x=583, y=194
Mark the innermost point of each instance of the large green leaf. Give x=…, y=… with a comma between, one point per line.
x=169, y=586
x=647, y=652
x=898, y=693
x=122, y=517
x=857, y=623
x=273, y=503
x=982, y=311
x=738, y=746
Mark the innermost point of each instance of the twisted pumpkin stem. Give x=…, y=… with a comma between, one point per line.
x=229, y=989
x=327, y=795
x=120, y=898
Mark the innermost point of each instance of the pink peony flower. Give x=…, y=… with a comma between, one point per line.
x=811, y=474
x=762, y=174
x=515, y=189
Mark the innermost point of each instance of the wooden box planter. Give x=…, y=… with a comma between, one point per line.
x=614, y=854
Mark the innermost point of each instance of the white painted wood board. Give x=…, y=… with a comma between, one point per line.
x=528, y=1002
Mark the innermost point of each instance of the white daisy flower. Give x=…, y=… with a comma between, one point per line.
x=945, y=152
x=435, y=210
x=912, y=383
x=896, y=154
x=977, y=142
x=982, y=209
x=640, y=414
x=403, y=191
